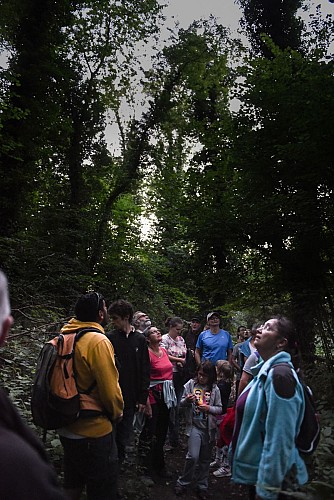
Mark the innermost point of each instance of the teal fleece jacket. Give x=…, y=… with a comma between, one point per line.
x=265, y=450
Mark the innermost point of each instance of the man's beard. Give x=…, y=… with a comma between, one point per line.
x=105, y=319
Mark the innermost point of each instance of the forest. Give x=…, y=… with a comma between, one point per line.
x=184, y=175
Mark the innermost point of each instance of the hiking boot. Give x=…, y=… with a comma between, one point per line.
x=222, y=472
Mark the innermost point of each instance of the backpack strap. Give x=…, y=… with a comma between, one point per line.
x=283, y=380
x=80, y=333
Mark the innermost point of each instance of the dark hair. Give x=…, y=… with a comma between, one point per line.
x=173, y=321
x=241, y=326
x=255, y=327
x=121, y=308
x=287, y=330
x=88, y=306
x=210, y=370
x=224, y=370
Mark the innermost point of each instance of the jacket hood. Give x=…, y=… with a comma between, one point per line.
x=264, y=366
x=74, y=325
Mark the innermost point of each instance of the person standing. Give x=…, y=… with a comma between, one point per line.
x=237, y=358
x=141, y=321
x=247, y=348
x=269, y=413
x=25, y=469
x=176, y=349
x=202, y=398
x=134, y=369
x=192, y=333
x=214, y=343
x=160, y=400
x=90, y=457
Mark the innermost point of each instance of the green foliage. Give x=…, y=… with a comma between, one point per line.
x=277, y=19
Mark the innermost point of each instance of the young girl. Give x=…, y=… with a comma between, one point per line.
x=202, y=397
x=224, y=383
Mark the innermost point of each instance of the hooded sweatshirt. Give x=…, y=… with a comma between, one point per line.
x=94, y=361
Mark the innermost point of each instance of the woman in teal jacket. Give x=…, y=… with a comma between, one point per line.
x=269, y=413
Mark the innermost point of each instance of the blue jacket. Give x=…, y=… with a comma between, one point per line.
x=245, y=349
x=265, y=450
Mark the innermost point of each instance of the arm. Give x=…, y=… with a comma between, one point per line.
x=101, y=360
x=244, y=381
x=216, y=407
x=198, y=355
x=229, y=357
x=145, y=372
x=284, y=409
x=247, y=375
x=187, y=391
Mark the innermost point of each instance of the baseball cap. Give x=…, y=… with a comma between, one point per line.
x=195, y=319
x=213, y=313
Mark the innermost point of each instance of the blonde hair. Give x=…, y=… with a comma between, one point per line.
x=224, y=370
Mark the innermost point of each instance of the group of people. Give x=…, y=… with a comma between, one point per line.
x=136, y=372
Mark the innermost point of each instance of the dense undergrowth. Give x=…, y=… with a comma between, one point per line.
x=17, y=364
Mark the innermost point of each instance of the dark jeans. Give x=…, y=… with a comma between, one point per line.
x=91, y=462
x=124, y=432
x=174, y=420
x=153, y=437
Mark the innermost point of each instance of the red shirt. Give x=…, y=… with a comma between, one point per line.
x=161, y=369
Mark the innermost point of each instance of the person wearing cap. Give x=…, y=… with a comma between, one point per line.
x=191, y=335
x=214, y=343
x=141, y=321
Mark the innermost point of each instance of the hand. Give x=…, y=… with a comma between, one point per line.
x=204, y=408
x=191, y=398
x=118, y=419
x=141, y=407
x=148, y=410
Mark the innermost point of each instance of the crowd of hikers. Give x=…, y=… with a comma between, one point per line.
x=240, y=406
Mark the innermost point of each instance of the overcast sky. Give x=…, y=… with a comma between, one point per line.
x=228, y=14
x=186, y=11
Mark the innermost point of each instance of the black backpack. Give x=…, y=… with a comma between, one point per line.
x=55, y=398
x=309, y=432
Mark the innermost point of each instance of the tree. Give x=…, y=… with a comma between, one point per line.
x=276, y=19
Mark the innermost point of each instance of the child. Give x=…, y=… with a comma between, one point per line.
x=224, y=383
x=202, y=398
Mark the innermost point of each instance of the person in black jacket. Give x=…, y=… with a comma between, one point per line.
x=25, y=469
x=133, y=363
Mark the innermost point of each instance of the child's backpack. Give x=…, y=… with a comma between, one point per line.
x=226, y=427
x=55, y=399
x=309, y=432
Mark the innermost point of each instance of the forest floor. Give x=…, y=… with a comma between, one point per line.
x=134, y=486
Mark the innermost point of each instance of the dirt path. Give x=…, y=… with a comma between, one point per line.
x=132, y=486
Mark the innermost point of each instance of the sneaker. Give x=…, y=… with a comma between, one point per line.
x=179, y=490
x=222, y=472
x=216, y=463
